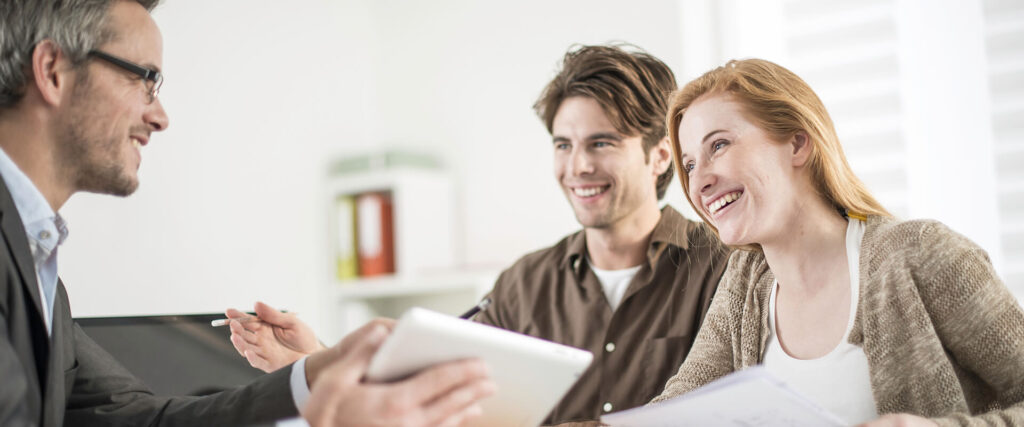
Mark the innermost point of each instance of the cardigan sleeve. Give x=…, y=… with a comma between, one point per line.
x=977, y=319
x=713, y=352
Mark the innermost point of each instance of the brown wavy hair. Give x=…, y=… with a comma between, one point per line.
x=781, y=104
x=631, y=85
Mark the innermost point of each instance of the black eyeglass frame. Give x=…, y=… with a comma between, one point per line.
x=153, y=76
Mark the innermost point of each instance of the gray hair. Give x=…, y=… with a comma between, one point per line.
x=76, y=26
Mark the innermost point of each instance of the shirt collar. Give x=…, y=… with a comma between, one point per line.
x=32, y=206
x=672, y=229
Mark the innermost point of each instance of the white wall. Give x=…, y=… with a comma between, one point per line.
x=262, y=94
x=461, y=77
x=228, y=208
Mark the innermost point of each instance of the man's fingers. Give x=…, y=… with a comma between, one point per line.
x=251, y=326
x=239, y=344
x=319, y=414
x=386, y=322
x=273, y=316
x=236, y=328
x=458, y=403
x=367, y=340
x=244, y=347
x=446, y=395
x=460, y=418
x=256, y=361
x=234, y=314
x=373, y=329
x=326, y=396
x=349, y=359
x=249, y=336
x=433, y=383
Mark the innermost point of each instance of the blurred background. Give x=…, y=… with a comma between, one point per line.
x=238, y=196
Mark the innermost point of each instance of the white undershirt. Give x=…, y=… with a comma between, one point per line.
x=615, y=282
x=838, y=381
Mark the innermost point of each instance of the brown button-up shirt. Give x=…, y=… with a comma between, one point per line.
x=553, y=294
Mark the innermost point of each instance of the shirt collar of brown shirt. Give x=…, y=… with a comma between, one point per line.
x=672, y=229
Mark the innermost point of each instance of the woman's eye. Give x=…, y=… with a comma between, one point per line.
x=718, y=145
x=688, y=167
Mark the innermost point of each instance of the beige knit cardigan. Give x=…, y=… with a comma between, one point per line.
x=943, y=336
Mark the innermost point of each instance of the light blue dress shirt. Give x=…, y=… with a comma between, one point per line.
x=45, y=230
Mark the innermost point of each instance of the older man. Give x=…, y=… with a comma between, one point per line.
x=78, y=101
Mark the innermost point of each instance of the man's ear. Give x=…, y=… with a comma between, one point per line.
x=661, y=156
x=50, y=72
x=802, y=147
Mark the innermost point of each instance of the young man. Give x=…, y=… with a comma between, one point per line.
x=78, y=101
x=632, y=286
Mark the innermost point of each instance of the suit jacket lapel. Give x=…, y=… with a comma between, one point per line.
x=17, y=243
x=62, y=365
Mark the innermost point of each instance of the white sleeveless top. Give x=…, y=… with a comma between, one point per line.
x=838, y=381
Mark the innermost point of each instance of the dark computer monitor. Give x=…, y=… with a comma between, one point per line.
x=174, y=355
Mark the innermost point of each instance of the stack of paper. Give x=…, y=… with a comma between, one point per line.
x=752, y=397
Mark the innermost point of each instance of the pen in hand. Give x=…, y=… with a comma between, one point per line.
x=467, y=315
x=225, y=322
x=246, y=319
x=476, y=309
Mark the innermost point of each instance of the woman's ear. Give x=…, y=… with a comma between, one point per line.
x=802, y=147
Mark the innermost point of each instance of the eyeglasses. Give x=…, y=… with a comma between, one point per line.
x=154, y=79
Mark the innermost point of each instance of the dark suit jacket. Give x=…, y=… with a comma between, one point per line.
x=69, y=380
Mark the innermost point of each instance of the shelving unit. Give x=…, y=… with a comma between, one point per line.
x=422, y=202
x=426, y=268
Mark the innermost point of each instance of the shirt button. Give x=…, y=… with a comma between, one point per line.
x=607, y=406
x=610, y=347
x=43, y=235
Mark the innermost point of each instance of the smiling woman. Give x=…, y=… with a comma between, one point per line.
x=867, y=315
x=747, y=102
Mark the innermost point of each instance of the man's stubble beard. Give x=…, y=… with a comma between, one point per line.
x=601, y=220
x=619, y=208
x=92, y=163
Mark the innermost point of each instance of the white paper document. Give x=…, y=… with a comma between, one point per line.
x=752, y=397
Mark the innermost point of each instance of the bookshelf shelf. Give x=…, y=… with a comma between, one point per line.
x=400, y=287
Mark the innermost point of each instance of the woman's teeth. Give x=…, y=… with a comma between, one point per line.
x=723, y=201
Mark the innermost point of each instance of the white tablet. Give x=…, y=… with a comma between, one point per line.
x=531, y=374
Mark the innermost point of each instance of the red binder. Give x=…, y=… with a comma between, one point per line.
x=376, y=247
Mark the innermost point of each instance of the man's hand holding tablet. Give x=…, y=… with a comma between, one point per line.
x=531, y=374
x=444, y=395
